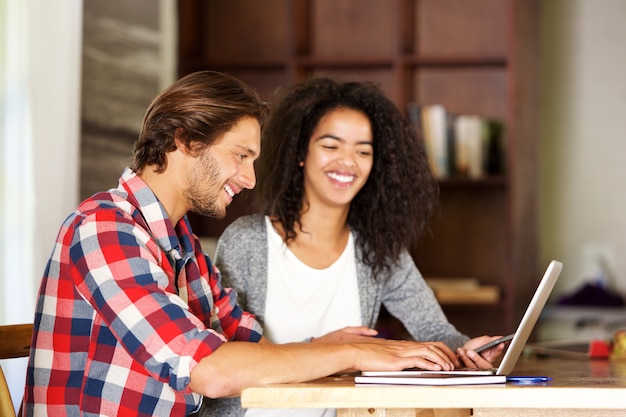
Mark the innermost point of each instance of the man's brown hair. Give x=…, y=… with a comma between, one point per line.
x=197, y=109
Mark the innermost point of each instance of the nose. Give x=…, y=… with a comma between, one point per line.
x=347, y=158
x=247, y=177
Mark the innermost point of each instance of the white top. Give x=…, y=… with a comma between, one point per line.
x=306, y=302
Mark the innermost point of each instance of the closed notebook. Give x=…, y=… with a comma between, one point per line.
x=420, y=378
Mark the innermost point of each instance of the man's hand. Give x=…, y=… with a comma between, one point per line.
x=432, y=356
x=429, y=355
x=236, y=365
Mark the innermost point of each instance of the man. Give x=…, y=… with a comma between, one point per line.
x=131, y=317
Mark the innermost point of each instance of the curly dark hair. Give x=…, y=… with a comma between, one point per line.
x=198, y=108
x=395, y=204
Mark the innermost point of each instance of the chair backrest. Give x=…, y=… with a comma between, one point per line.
x=14, y=343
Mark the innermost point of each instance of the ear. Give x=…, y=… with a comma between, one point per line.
x=192, y=149
x=178, y=141
x=182, y=144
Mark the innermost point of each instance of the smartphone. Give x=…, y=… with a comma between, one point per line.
x=494, y=343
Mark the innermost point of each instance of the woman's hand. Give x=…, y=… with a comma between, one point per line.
x=349, y=334
x=471, y=359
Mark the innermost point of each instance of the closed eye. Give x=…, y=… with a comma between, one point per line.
x=242, y=153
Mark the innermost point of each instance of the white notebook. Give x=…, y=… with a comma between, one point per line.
x=430, y=379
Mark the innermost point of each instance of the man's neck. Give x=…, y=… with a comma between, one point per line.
x=167, y=189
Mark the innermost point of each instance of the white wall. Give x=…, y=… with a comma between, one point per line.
x=583, y=136
x=39, y=139
x=39, y=124
x=40, y=90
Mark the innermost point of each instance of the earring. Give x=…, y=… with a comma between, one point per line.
x=301, y=163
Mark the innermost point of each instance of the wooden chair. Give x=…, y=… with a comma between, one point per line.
x=14, y=343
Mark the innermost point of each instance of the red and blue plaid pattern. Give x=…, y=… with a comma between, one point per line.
x=127, y=307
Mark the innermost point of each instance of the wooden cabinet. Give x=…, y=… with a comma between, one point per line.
x=473, y=56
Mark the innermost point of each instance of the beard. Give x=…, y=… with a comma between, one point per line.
x=205, y=188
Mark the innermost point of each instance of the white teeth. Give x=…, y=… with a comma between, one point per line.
x=341, y=178
x=229, y=190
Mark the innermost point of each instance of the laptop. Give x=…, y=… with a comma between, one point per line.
x=518, y=341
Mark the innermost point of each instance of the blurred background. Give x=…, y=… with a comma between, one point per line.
x=77, y=77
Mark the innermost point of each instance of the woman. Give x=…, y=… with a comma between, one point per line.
x=344, y=188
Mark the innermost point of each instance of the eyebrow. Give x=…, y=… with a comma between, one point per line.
x=330, y=136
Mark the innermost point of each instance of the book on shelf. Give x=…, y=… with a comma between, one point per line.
x=463, y=291
x=417, y=378
x=468, y=133
x=458, y=145
x=435, y=130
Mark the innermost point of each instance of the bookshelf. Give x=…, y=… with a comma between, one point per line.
x=473, y=56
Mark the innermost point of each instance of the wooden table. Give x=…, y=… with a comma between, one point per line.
x=579, y=388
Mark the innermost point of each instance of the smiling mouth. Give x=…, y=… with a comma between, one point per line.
x=229, y=190
x=344, y=179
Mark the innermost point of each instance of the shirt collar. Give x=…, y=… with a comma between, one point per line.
x=168, y=236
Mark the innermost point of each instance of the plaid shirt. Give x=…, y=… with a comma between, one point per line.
x=127, y=307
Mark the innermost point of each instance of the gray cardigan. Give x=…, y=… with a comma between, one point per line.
x=241, y=256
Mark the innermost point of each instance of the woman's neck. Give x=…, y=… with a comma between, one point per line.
x=321, y=237
x=324, y=224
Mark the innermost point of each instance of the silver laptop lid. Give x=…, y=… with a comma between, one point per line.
x=527, y=324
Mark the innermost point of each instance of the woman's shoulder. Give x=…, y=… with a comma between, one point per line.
x=248, y=221
x=245, y=227
x=244, y=237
